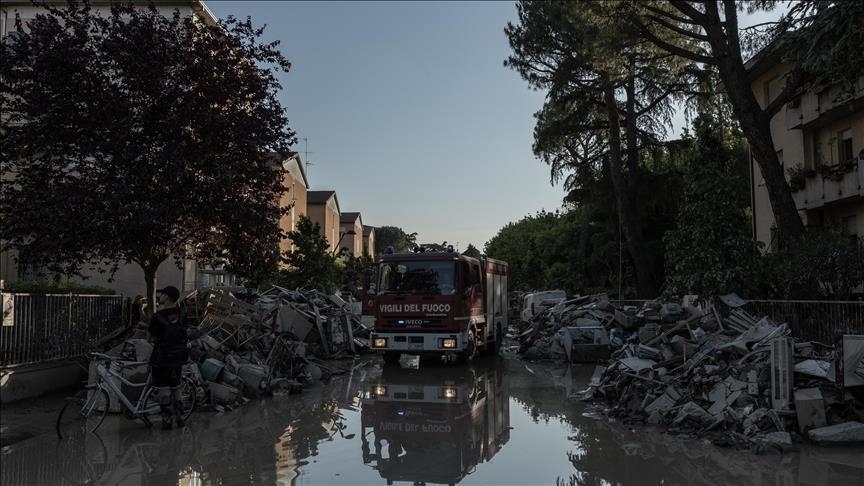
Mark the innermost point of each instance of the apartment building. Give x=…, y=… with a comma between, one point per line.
x=819, y=138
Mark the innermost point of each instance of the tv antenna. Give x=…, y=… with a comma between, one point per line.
x=306, y=153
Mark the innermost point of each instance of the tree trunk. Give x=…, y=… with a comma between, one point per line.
x=630, y=121
x=150, y=279
x=630, y=222
x=754, y=121
x=756, y=125
x=150, y=265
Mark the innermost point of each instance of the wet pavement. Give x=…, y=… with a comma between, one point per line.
x=499, y=421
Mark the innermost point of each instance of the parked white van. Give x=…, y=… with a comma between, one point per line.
x=536, y=302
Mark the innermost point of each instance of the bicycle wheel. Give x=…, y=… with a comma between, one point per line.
x=83, y=413
x=144, y=417
x=189, y=392
x=82, y=458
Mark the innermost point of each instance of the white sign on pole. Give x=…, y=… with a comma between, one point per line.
x=8, y=301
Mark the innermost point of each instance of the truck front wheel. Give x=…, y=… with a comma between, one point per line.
x=470, y=350
x=391, y=357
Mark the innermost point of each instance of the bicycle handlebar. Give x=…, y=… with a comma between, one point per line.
x=129, y=364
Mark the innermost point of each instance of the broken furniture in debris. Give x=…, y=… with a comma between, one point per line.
x=245, y=344
x=714, y=370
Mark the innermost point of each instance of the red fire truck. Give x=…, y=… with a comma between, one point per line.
x=440, y=303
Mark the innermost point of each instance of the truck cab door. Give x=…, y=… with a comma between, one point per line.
x=475, y=294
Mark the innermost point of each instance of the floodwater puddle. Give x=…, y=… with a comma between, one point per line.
x=499, y=421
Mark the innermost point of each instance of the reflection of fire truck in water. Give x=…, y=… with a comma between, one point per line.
x=439, y=303
x=436, y=425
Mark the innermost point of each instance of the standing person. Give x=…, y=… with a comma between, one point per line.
x=169, y=355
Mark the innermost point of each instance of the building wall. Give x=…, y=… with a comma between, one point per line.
x=129, y=279
x=795, y=147
x=369, y=245
x=316, y=213
x=327, y=216
x=354, y=242
x=26, y=10
x=332, y=227
x=829, y=138
x=296, y=196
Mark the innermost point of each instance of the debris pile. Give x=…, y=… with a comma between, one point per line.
x=576, y=330
x=253, y=344
x=713, y=371
x=245, y=344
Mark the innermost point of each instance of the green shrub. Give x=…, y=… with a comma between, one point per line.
x=48, y=286
x=797, y=177
x=823, y=264
x=710, y=252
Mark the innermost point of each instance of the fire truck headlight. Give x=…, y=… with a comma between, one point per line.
x=449, y=393
x=380, y=390
x=379, y=343
x=448, y=343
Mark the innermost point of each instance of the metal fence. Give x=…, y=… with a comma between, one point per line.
x=809, y=320
x=813, y=320
x=53, y=327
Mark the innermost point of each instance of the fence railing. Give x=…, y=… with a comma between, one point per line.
x=813, y=320
x=51, y=327
x=809, y=320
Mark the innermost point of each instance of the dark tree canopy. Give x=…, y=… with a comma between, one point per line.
x=555, y=250
x=471, y=251
x=352, y=271
x=711, y=252
x=133, y=136
x=393, y=236
x=821, y=40
x=609, y=99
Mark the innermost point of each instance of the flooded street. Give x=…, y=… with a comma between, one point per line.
x=500, y=421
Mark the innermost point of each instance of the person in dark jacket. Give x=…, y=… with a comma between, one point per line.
x=170, y=353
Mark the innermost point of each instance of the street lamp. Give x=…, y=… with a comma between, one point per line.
x=342, y=235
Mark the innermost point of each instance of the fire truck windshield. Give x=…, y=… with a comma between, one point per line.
x=417, y=277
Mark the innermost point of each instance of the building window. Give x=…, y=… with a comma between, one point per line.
x=817, y=149
x=772, y=88
x=214, y=277
x=849, y=226
x=844, y=149
x=4, y=17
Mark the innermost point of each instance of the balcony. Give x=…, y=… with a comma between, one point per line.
x=832, y=187
x=816, y=108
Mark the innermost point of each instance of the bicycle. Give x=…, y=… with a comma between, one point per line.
x=87, y=409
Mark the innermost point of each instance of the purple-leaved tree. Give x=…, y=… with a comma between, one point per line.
x=132, y=137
